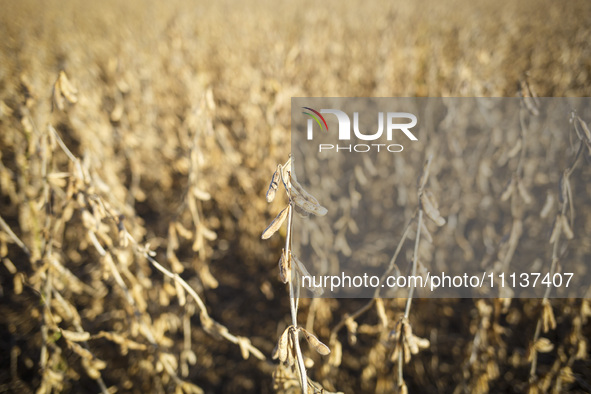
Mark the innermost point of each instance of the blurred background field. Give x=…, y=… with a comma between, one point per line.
x=176, y=115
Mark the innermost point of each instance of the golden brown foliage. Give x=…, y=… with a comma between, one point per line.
x=136, y=143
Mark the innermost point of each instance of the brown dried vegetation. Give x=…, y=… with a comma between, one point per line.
x=136, y=144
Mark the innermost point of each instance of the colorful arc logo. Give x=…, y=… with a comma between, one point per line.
x=315, y=115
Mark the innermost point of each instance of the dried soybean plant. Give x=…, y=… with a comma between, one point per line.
x=140, y=81
x=292, y=364
x=482, y=365
x=562, y=227
x=405, y=342
x=69, y=198
x=515, y=189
